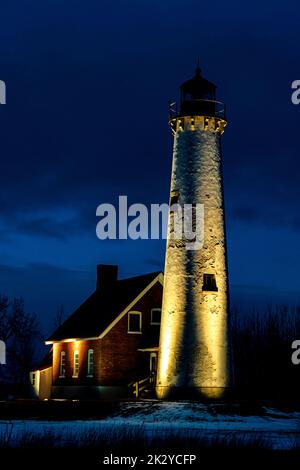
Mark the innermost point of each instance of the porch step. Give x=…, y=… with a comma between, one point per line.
x=148, y=393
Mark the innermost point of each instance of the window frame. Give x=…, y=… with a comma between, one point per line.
x=75, y=364
x=210, y=286
x=153, y=355
x=89, y=370
x=151, y=319
x=62, y=365
x=135, y=312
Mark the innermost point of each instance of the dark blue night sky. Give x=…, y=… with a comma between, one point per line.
x=86, y=120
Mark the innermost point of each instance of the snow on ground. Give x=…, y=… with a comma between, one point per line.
x=280, y=429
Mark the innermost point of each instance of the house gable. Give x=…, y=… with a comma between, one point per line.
x=131, y=306
x=103, y=309
x=121, y=359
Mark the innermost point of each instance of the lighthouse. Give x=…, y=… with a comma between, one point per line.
x=194, y=350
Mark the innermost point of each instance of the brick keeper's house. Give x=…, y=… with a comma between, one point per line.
x=109, y=346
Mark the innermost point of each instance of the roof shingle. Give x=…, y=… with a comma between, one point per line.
x=101, y=308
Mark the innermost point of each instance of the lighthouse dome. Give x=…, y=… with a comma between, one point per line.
x=198, y=86
x=197, y=95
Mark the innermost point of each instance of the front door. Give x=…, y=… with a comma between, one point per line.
x=153, y=364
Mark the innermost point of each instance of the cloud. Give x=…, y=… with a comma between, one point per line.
x=86, y=120
x=156, y=262
x=251, y=288
x=44, y=227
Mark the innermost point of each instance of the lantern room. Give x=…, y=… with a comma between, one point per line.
x=197, y=96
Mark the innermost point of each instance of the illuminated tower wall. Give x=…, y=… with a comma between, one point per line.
x=194, y=352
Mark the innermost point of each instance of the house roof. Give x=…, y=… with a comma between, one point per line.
x=102, y=308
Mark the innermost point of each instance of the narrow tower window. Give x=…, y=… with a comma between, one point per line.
x=76, y=364
x=174, y=197
x=62, y=364
x=209, y=283
x=90, y=363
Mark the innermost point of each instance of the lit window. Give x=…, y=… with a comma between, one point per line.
x=76, y=364
x=62, y=365
x=2, y=352
x=90, y=363
x=33, y=379
x=209, y=282
x=155, y=316
x=134, y=322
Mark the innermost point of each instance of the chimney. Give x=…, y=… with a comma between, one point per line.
x=107, y=274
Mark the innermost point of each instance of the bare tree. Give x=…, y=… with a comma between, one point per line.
x=25, y=330
x=5, y=329
x=262, y=352
x=59, y=317
x=5, y=324
x=19, y=330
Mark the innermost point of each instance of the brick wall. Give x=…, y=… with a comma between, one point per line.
x=121, y=362
x=82, y=347
x=116, y=359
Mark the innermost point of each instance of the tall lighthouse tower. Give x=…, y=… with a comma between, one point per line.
x=194, y=351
